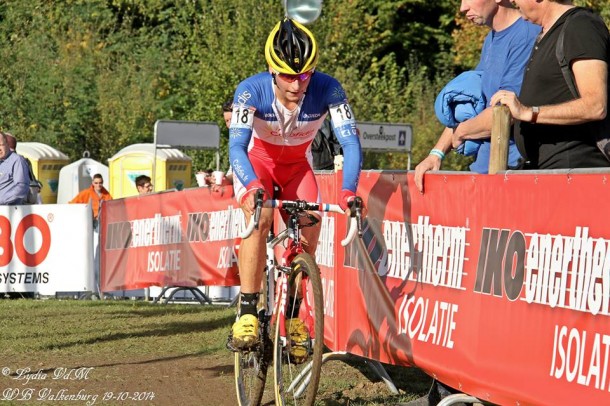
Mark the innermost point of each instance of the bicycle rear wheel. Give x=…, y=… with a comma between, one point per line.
x=251, y=370
x=296, y=377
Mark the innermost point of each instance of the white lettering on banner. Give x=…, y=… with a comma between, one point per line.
x=163, y=261
x=328, y=288
x=571, y=272
x=437, y=329
x=227, y=258
x=325, y=252
x=226, y=224
x=580, y=359
x=165, y=230
x=428, y=253
x=552, y=260
x=159, y=230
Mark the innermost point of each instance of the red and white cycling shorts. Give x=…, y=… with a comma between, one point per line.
x=293, y=180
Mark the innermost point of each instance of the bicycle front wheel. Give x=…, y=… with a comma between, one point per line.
x=299, y=338
x=251, y=371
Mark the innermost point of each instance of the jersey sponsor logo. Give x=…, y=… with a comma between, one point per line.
x=348, y=132
x=243, y=97
x=239, y=170
x=301, y=134
x=311, y=116
x=294, y=134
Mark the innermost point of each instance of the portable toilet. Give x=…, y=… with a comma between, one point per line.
x=172, y=169
x=78, y=176
x=46, y=164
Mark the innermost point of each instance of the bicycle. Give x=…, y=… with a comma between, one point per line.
x=293, y=362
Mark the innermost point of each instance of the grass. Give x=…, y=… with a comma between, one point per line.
x=114, y=334
x=110, y=327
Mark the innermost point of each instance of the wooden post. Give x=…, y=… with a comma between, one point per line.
x=500, y=133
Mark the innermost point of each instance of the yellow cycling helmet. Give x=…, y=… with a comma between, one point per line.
x=291, y=48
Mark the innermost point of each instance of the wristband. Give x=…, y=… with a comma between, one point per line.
x=535, y=111
x=438, y=153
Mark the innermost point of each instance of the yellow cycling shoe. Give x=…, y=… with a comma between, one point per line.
x=299, y=340
x=245, y=332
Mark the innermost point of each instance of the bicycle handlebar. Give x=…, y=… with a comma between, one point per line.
x=355, y=225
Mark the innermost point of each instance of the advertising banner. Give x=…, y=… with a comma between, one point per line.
x=496, y=285
x=186, y=238
x=46, y=249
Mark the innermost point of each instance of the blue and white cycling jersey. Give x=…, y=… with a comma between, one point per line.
x=256, y=131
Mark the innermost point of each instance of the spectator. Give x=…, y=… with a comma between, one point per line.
x=144, y=185
x=505, y=52
x=325, y=147
x=227, y=113
x=35, y=186
x=95, y=194
x=208, y=177
x=14, y=175
x=560, y=128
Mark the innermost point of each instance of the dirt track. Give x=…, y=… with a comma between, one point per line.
x=182, y=379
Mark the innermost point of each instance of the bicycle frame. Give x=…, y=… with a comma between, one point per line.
x=294, y=276
x=277, y=271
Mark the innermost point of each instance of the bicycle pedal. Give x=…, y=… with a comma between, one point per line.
x=229, y=344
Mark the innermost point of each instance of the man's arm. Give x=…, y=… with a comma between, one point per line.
x=433, y=161
x=591, y=77
x=478, y=127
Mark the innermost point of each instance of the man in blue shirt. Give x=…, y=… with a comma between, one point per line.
x=505, y=53
x=14, y=175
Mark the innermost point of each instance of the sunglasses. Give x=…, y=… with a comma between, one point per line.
x=302, y=77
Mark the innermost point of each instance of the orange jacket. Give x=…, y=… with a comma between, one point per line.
x=87, y=195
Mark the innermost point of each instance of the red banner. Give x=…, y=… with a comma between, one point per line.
x=186, y=238
x=497, y=285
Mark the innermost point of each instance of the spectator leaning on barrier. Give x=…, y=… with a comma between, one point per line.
x=95, y=194
x=503, y=58
x=144, y=185
x=14, y=175
x=560, y=128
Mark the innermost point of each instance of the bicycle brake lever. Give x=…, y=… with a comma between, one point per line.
x=356, y=206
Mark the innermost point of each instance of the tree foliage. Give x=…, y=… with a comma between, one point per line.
x=96, y=75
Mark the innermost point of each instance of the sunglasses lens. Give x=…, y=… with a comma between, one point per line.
x=300, y=77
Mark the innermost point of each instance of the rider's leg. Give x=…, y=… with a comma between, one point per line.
x=251, y=261
x=252, y=256
x=310, y=236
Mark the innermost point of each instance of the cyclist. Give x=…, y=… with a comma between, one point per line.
x=276, y=116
